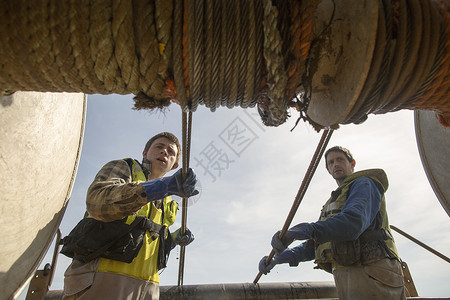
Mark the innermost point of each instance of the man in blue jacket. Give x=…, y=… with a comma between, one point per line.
x=352, y=239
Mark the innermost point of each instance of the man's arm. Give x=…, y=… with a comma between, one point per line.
x=293, y=256
x=113, y=195
x=301, y=253
x=356, y=216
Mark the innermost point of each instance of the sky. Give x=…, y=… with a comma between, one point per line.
x=249, y=176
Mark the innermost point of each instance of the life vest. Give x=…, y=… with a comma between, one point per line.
x=373, y=244
x=145, y=264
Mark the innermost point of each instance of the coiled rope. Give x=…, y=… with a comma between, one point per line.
x=223, y=53
x=411, y=58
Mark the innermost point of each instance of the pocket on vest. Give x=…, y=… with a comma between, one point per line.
x=346, y=253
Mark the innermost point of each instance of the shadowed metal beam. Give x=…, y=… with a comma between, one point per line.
x=278, y=290
x=249, y=291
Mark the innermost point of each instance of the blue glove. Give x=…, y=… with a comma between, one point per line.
x=298, y=232
x=287, y=256
x=171, y=185
x=182, y=240
x=263, y=268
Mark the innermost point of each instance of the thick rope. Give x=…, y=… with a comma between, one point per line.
x=181, y=97
x=320, y=149
x=209, y=19
x=249, y=87
x=241, y=71
x=400, y=39
x=213, y=50
x=233, y=53
x=197, y=54
x=276, y=74
x=427, y=50
x=436, y=93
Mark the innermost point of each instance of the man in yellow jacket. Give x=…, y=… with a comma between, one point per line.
x=122, y=191
x=352, y=239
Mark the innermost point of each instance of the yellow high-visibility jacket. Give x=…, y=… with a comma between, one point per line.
x=145, y=264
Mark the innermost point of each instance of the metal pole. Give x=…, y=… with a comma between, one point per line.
x=186, y=120
x=421, y=244
x=303, y=187
x=249, y=291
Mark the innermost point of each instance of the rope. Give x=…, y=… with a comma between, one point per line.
x=185, y=43
x=79, y=24
x=249, y=86
x=399, y=16
x=276, y=73
x=301, y=35
x=242, y=54
x=326, y=135
x=436, y=93
x=186, y=136
x=209, y=34
x=231, y=53
x=181, y=97
x=426, y=51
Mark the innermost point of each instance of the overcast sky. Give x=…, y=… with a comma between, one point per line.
x=249, y=177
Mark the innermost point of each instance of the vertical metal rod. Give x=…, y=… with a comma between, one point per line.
x=186, y=120
x=302, y=190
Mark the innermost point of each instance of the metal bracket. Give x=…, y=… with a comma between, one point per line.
x=409, y=283
x=40, y=284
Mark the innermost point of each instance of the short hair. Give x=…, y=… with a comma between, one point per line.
x=346, y=152
x=170, y=136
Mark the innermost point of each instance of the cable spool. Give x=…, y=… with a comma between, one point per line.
x=335, y=61
x=406, y=57
x=343, y=51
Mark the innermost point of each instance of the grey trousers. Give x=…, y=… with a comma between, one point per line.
x=81, y=282
x=381, y=280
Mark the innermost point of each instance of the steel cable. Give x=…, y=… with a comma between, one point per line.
x=250, y=64
x=439, y=85
x=233, y=53
x=208, y=53
x=215, y=52
x=434, y=63
x=400, y=27
x=178, y=54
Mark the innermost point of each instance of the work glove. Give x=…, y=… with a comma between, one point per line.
x=182, y=240
x=287, y=256
x=171, y=185
x=298, y=232
x=263, y=268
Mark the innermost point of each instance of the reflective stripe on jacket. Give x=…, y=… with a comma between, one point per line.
x=144, y=266
x=373, y=244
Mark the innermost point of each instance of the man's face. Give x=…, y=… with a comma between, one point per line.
x=338, y=166
x=163, y=155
